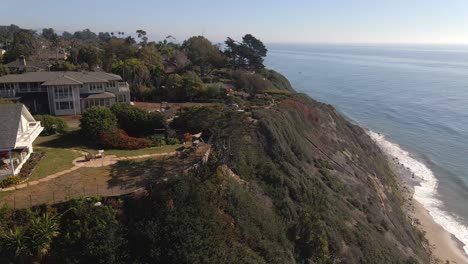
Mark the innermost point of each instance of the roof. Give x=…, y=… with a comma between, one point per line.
x=42, y=77
x=10, y=117
x=62, y=80
x=103, y=95
x=29, y=64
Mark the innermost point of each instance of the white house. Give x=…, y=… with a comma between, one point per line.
x=18, y=130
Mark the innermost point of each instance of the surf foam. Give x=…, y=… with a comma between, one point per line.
x=426, y=191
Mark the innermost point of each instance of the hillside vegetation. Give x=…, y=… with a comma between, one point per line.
x=294, y=183
x=289, y=180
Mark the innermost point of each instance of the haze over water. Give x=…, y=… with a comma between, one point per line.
x=417, y=96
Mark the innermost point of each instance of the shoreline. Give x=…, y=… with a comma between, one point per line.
x=443, y=245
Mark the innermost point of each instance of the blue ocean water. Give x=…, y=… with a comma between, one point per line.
x=417, y=96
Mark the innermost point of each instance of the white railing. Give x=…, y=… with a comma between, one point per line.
x=34, y=129
x=7, y=93
x=122, y=84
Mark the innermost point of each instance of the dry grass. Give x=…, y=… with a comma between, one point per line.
x=118, y=179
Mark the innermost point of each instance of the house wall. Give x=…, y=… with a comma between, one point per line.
x=69, y=105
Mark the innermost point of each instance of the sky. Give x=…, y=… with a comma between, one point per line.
x=272, y=21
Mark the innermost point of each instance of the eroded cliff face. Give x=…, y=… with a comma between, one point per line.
x=302, y=184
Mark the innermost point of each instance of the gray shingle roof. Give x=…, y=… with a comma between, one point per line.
x=10, y=117
x=83, y=77
x=62, y=80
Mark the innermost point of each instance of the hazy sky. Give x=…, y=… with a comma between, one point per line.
x=301, y=21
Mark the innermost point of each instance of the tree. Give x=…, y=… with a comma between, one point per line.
x=89, y=234
x=43, y=229
x=97, y=120
x=116, y=50
x=150, y=56
x=174, y=87
x=104, y=36
x=203, y=53
x=48, y=33
x=22, y=44
x=256, y=51
x=67, y=35
x=246, y=54
x=142, y=35
x=132, y=70
x=192, y=84
x=137, y=122
x=86, y=35
x=197, y=119
x=89, y=55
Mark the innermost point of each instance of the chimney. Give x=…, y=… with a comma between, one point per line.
x=22, y=60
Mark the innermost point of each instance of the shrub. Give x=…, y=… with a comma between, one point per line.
x=52, y=125
x=251, y=83
x=173, y=141
x=157, y=140
x=197, y=119
x=97, y=120
x=10, y=181
x=118, y=139
x=135, y=121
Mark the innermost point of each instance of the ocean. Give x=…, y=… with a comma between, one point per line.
x=412, y=98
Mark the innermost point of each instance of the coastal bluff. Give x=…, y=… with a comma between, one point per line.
x=322, y=182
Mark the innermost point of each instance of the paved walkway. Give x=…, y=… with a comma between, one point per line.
x=81, y=163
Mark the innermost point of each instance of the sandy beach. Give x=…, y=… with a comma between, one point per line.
x=444, y=246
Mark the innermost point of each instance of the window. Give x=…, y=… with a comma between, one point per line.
x=23, y=87
x=121, y=98
x=62, y=92
x=66, y=105
x=93, y=87
x=34, y=87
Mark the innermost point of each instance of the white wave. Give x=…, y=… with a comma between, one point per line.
x=426, y=192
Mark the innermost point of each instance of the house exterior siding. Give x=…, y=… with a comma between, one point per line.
x=64, y=93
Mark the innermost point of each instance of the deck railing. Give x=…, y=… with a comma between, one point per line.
x=7, y=93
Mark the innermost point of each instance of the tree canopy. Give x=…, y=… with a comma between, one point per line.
x=249, y=53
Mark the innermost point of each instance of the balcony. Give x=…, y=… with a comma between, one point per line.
x=33, y=131
x=120, y=87
x=7, y=93
x=122, y=84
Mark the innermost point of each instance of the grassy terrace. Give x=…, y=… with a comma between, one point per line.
x=55, y=160
x=60, y=154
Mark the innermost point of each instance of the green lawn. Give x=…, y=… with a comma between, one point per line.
x=3, y=194
x=59, y=156
x=137, y=152
x=55, y=160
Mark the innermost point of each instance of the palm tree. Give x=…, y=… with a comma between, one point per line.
x=43, y=229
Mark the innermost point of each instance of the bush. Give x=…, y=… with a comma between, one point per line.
x=251, y=83
x=52, y=125
x=173, y=141
x=97, y=120
x=197, y=119
x=135, y=121
x=157, y=140
x=118, y=139
x=10, y=181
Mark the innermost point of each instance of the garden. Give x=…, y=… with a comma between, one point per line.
x=122, y=130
